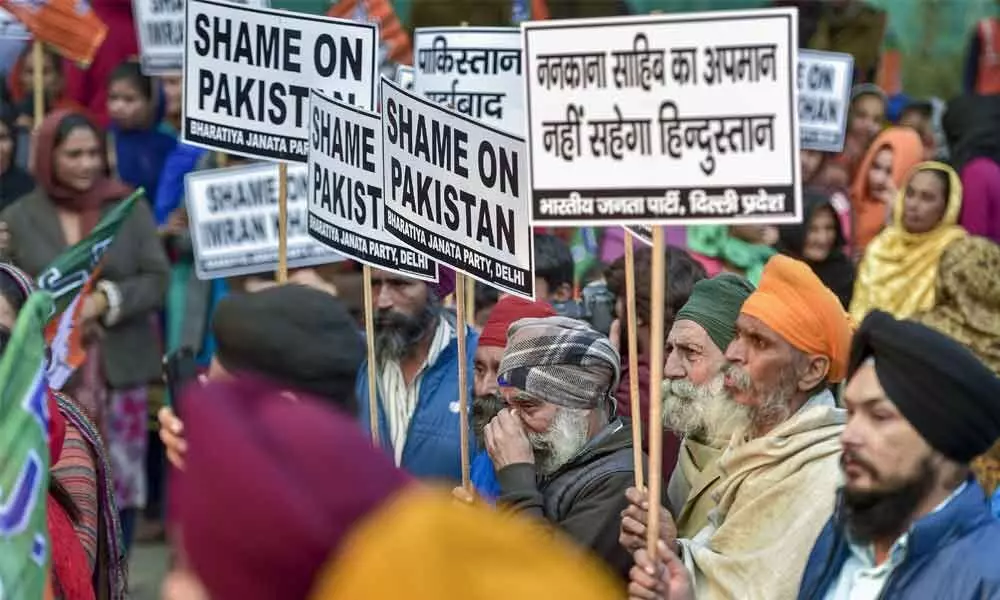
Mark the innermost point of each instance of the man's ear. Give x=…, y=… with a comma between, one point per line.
x=815, y=373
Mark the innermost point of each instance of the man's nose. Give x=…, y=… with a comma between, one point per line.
x=735, y=353
x=673, y=369
x=383, y=299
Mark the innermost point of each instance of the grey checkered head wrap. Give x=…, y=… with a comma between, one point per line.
x=560, y=360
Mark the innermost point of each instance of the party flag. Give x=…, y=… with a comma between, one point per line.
x=69, y=26
x=71, y=270
x=24, y=470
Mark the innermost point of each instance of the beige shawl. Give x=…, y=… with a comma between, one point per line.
x=776, y=494
x=692, y=485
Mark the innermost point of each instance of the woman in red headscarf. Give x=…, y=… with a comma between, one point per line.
x=123, y=348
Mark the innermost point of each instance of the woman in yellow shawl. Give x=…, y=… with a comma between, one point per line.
x=899, y=270
x=967, y=308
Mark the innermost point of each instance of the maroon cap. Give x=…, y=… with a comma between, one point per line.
x=272, y=485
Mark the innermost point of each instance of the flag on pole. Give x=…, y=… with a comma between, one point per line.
x=64, y=337
x=24, y=468
x=70, y=26
x=68, y=273
x=70, y=278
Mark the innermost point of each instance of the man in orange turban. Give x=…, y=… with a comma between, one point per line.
x=780, y=474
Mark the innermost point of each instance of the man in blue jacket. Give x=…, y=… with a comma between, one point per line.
x=416, y=373
x=911, y=521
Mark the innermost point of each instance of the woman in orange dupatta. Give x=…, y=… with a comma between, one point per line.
x=890, y=157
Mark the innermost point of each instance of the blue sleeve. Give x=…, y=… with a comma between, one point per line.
x=170, y=190
x=996, y=503
x=972, y=62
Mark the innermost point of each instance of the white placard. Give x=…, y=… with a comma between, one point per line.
x=346, y=208
x=668, y=119
x=457, y=190
x=474, y=70
x=233, y=216
x=824, y=82
x=159, y=27
x=11, y=28
x=248, y=72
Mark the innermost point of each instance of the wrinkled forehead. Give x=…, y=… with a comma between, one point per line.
x=689, y=333
x=748, y=326
x=489, y=355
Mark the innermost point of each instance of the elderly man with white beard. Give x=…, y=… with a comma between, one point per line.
x=780, y=473
x=559, y=452
x=696, y=404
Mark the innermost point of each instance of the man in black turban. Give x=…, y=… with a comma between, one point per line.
x=912, y=522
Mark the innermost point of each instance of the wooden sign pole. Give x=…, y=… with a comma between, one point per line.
x=463, y=378
x=370, y=342
x=282, y=222
x=470, y=301
x=657, y=342
x=633, y=359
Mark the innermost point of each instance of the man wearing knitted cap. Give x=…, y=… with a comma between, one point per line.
x=488, y=401
x=791, y=341
x=416, y=371
x=696, y=404
x=559, y=453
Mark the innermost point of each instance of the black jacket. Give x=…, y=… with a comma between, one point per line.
x=584, y=498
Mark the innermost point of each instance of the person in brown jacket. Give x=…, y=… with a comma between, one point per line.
x=123, y=350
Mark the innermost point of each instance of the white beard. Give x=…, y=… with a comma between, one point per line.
x=567, y=435
x=706, y=412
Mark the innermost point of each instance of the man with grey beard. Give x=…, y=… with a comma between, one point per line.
x=416, y=354
x=780, y=472
x=696, y=404
x=559, y=452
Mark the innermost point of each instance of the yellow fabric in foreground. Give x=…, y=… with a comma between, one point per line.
x=424, y=545
x=899, y=271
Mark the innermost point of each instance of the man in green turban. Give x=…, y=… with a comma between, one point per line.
x=696, y=404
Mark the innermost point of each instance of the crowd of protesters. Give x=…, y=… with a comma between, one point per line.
x=831, y=391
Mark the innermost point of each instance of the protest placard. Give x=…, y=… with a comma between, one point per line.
x=346, y=208
x=824, y=82
x=474, y=70
x=159, y=26
x=233, y=215
x=248, y=72
x=683, y=118
x=456, y=190
x=11, y=28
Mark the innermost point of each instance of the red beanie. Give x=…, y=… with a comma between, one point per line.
x=506, y=311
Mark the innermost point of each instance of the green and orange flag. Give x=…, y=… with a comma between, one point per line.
x=24, y=448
